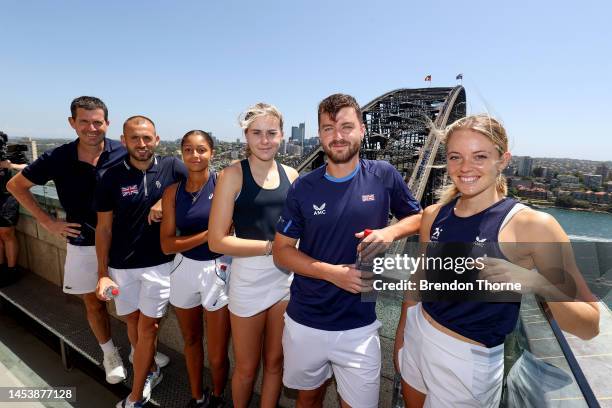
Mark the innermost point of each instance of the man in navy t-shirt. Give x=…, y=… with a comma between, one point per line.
x=129, y=249
x=328, y=210
x=75, y=169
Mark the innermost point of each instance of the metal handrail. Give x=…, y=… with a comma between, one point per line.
x=581, y=381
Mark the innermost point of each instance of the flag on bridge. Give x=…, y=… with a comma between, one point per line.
x=428, y=78
x=459, y=76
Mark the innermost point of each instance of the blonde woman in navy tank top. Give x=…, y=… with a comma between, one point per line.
x=251, y=194
x=198, y=281
x=451, y=353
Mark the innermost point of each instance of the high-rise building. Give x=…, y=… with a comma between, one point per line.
x=33, y=153
x=592, y=180
x=295, y=135
x=603, y=171
x=298, y=134
x=524, y=166
x=294, y=149
x=302, y=133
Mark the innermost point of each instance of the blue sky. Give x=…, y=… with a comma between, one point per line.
x=542, y=67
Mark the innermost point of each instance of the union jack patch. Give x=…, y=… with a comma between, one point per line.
x=368, y=197
x=129, y=190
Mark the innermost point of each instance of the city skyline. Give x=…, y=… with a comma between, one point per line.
x=538, y=67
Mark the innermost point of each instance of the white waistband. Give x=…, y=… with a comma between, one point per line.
x=456, y=347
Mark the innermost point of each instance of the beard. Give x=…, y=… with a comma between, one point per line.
x=345, y=157
x=134, y=155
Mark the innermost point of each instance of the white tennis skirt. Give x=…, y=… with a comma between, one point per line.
x=256, y=284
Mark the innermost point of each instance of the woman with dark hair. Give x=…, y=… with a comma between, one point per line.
x=200, y=275
x=451, y=352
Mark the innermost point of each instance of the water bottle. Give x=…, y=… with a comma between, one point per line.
x=362, y=264
x=111, y=292
x=223, y=268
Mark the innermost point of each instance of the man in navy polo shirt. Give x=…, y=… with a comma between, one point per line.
x=129, y=249
x=75, y=168
x=327, y=210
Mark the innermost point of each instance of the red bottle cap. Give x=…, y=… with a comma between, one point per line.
x=366, y=232
x=223, y=267
x=115, y=291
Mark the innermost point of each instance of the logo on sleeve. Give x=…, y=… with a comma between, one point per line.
x=211, y=196
x=158, y=184
x=320, y=210
x=129, y=190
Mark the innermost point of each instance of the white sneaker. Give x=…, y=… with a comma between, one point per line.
x=126, y=403
x=151, y=382
x=113, y=366
x=161, y=359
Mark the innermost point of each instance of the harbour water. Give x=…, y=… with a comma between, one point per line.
x=583, y=225
x=591, y=234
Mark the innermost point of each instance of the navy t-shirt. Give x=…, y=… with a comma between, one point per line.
x=130, y=193
x=324, y=213
x=75, y=182
x=192, y=212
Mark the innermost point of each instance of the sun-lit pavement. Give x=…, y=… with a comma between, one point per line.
x=26, y=361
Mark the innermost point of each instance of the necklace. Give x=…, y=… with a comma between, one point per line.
x=195, y=196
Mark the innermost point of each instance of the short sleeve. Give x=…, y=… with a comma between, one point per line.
x=291, y=221
x=104, y=197
x=403, y=202
x=42, y=169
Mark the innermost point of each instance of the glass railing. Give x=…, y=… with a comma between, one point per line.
x=544, y=366
x=547, y=367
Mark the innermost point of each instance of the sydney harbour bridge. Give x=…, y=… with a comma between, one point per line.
x=397, y=130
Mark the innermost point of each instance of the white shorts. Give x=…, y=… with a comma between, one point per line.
x=256, y=284
x=145, y=289
x=311, y=356
x=80, y=269
x=451, y=372
x=194, y=283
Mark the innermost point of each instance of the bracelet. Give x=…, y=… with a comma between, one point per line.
x=268, y=248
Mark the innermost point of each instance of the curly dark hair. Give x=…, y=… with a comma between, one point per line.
x=333, y=103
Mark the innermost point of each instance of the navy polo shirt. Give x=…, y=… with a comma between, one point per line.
x=75, y=182
x=130, y=193
x=324, y=213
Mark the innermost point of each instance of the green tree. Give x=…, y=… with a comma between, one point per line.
x=565, y=201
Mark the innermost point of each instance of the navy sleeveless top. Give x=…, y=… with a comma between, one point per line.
x=485, y=322
x=192, y=211
x=257, y=210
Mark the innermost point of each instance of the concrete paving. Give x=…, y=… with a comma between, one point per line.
x=27, y=361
